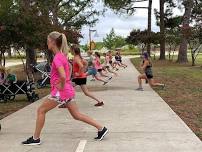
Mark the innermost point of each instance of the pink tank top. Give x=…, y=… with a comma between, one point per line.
x=97, y=63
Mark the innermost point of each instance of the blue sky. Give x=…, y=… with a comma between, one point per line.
x=122, y=24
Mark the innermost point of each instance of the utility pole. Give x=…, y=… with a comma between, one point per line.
x=149, y=27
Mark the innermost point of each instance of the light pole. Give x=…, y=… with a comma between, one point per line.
x=90, y=38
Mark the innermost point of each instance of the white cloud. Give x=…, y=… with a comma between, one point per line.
x=122, y=24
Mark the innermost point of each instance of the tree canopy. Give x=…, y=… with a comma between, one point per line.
x=113, y=41
x=26, y=23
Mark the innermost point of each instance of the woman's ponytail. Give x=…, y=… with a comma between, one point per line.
x=64, y=47
x=61, y=41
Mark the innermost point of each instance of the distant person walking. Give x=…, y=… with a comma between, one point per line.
x=148, y=73
x=62, y=90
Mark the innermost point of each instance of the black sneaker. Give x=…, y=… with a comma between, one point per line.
x=31, y=142
x=110, y=78
x=101, y=134
x=105, y=83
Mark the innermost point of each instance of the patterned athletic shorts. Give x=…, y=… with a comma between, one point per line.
x=58, y=99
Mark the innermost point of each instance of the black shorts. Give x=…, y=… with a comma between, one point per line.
x=80, y=81
x=99, y=70
x=149, y=76
x=110, y=62
x=120, y=61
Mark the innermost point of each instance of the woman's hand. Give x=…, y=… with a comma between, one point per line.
x=60, y=86
x=77, y=74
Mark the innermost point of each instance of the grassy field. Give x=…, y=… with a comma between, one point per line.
x=183, y=91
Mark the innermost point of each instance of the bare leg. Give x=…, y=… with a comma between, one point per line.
x=103, y=75
x=124, y=65
x=89, y=94
x=153, y=83
x=112, y=71
x=140, y=77
x=74, y=111
x=99, y=79
x=41, y=114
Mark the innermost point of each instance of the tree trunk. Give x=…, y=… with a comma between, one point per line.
x=162, y=31
x=193, y=59
x=2, y=59
x=9, y=53
x=149, y=26
x=1, y=56
x=182, y=56
x=49, y=56
x=30, y=59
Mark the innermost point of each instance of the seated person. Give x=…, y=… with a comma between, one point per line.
x=6, y=77
x=11, y=78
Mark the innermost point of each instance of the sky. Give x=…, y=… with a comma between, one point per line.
x=121, y=24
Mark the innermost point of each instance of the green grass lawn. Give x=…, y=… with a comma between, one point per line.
x=183, y=90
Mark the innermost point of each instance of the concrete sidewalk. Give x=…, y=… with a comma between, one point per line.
x=138, y=122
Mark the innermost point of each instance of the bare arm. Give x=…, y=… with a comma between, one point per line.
x=144, y=65
x=81, y=65
x=62, y=77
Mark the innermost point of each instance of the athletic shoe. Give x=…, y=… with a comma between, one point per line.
x=105, y=83
x=31, y=142
x=92, y=79
x=99, y=104
x=101, y=134
x=140, y=89
x=62, y=106
x=110, y=78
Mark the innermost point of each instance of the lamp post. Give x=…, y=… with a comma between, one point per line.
x=90, y=37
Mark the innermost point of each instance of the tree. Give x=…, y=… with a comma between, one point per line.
x=165, y=20
x=196, y=13
x=138, y=37
x=195, y=43
x=7, y=16
x=182, y=56
x=119, y=41
x=109, y=40
x=172, y=41
x=149, y=25
x=99, y=45
x=113, y=41
x=28, y=22
x=127, y=6
x=162, y=31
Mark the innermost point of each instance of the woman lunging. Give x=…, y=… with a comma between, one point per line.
x=106, y=65
x=98, y=66
x=92, y=69
x=80, y=77
x=61, y=90
x=148, y=74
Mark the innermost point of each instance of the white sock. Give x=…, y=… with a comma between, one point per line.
x=101, y=129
